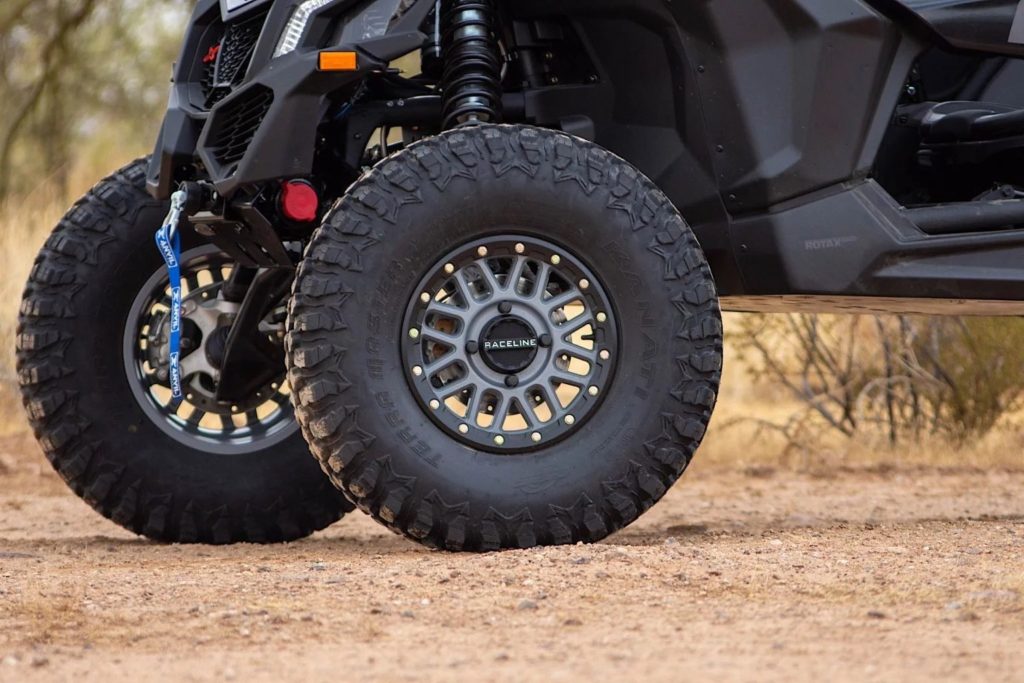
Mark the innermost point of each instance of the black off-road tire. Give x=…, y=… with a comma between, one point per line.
x=364, y=266
x=75, y=388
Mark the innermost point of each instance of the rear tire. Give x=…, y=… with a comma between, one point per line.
x=503, y=194
x=92, y=426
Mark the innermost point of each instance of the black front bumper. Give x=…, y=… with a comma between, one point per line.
x=236, y=113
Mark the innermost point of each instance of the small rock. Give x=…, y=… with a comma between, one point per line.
x=875, y=614
x=952, y=606
x=573, y=621
x=671, y=540
x=11, y=660
x=244, y=632
x=39, y=661
x=581, y=560
x=967, y=615
x=408, y=614
x=775, y=541
x=527, y=605
x=502, y=657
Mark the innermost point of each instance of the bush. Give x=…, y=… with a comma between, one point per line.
x=905, y=377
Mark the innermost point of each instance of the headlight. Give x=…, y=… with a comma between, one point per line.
x=370, y=22
x=296, y=27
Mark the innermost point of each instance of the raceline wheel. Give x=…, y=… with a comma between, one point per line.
x=504, y=337
x=91, y=362
x=199, y=419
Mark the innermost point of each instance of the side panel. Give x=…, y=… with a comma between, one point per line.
x=733, y=106
x=796, y=93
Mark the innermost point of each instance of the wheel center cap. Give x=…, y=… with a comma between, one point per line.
x=509, y=344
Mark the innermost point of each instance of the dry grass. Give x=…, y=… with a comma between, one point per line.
x=24, y=226
x=25, y=223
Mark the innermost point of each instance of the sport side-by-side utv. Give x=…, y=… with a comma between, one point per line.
x=473, y=252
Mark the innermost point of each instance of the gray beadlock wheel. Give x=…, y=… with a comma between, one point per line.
x=503, y=337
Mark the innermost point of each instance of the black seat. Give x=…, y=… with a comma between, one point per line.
x=950, y=122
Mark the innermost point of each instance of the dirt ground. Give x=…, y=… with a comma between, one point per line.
x=910, y=574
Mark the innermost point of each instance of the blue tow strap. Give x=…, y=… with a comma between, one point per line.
x=168, y=241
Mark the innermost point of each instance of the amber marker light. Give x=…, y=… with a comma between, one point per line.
x=339, y=61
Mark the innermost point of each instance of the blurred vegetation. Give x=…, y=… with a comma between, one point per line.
x=80, y=80
x=907, y=378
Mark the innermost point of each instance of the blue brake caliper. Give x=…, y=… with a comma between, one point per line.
x=168, y=240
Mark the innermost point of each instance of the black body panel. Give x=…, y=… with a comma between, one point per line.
x=762, y=121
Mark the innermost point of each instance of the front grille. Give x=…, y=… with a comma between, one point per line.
x=232, y=56
x=236, y=123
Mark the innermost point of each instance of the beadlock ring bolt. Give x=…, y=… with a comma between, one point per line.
x=504, y=308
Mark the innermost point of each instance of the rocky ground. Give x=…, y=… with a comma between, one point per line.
x=910, y=574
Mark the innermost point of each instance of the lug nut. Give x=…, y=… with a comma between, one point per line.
x=556, y=259
x=511, y=381
x=504, y=308
x=569, y=420
x=520, y=248
x=593, y=391
x=605, y=355
x=584, y=284
x=418, y=371
x=472, y=346
x=481, y=252
x=435, y=404
x=536, y=437
x=425, y=298
x=449, y=268
x=499, y=440
x=602, y=317
x=463, y=429
x=414, y=333
x=545, y=340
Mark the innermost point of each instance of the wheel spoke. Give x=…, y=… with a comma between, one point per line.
x=565, y=377
x=515, y=274
x=562, y=300
x=457, y=387
x=490, y=278
x=541, y=285
x=430, y=334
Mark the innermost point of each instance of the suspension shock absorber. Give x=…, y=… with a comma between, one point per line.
x=471, y=79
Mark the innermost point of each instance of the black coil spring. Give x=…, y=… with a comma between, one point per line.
x=471, y=80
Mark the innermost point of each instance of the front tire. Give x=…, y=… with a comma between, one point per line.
x=467, y=451
x=154, y=470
